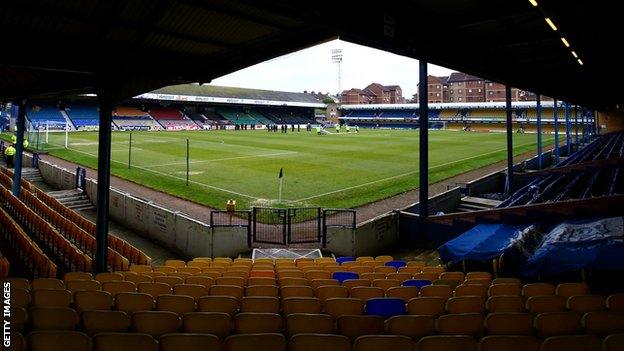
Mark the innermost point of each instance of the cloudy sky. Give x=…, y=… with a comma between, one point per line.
x=312, y=70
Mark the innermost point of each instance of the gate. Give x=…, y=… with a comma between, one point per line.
x=269, y=225
x=337, y=218
x=241, y=219
x=304, y=225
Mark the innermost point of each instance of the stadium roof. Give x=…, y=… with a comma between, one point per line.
x=131, y=47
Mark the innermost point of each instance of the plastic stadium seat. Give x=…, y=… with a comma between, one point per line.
x=301, y=305
x=262, y=274
x=570, y=289
x=356, y=326
x=69, y=276
x=18, y=319
x=198, y=264
x=108, y=277
x=52, y=318
x=615, y=303
x=260, y=304
x=452, y=276
x=460, y=324
x=92, y=300
x=386, y=284
x=451, y=283
x=416, y=264
x=342, y=276
x=235, y=281
x=182, y=275
x=262, y=291
x=261, y=281
x=465, y=304
x=58, y=340
x=283, y=282
x=155, y=323
x=18, y=342
x=447, y=342
x=516, y=281
x=426, y=276
x=215, y=323
x=227, y=290
x=429, y=306
x=192, y=290
x=385, y=269
x=317, y=342
x=225, y=304
x=366, y=292
x=247, y=323
x=175, y=263
x=329, y=291
x=18, y=283
x=417, y=283
x=361, y=270
x=296, y=291
x=509, y=323
x=603, y=323
x=385, y=306
x=206, y=282
x=297, y=323
x=190, y=270
x=364, y=258
x=586, y=303
x=612, y=342
x=373, y=276
x=341, y=260
x=47, y=283
x=409, y=270
x=93, y=322
x=337, y=307
x=572, y=343
x=209, y=274
x=51, y=298
x=441, y=291
x=124, y=342
x=352, y=283
x=557, y=323
x=140, y=268
x=290, y=274
x=171, y=281
x=383, y=342
x=541, y=304
x=505, y=304
x=538, y=289
x=505, y=289
x=403, y=292
x=116, y=287
x=400, y=276
x=76, y=285
x=413, y=326
x=179, y=304
x=155, y=289
x=433, y=269
x=478, y=275
x=255, y=342
x=317, y=274
x=317, y=283
x=131, y=302
x=189, y=342
x=471, y=290
x=509, y=343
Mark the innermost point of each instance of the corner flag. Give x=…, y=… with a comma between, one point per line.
x=281, y=175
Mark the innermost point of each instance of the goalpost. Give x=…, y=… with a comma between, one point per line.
x=45, y=134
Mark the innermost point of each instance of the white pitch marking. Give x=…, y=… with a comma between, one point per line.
x=224, y=159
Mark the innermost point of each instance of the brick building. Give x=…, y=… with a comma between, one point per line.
x=374, y=93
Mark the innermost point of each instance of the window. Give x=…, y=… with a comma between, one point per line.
x=459, y=99
x=470, y=90
x=437, y=94
x=459, y=91
x=451, y=99
x=451, y=91
x=491, y=92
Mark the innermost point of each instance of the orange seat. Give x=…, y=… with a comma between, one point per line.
x=155, y=289
x=225, y=304
x=179, y=304
x=460, y=324
x=189, y=342
x=505, y=289
x=248, y=323
x=329, y=291
x=297, y=323
x=557, y=323
x=386, y=284
x=505, y=303
x=301, y=305
x=366, y=292
x=383, y=342
x=260, y=304
x=403, y=292
x=429, y=306
x=586, y=303
x=571, y=289
x=441, y=291
x=134, y=301
x=509, y=343
x=155, y=323
x=356, y=326
x=255, y=342
x=227, y=290
x=447, y=342
x=603, y=323
x=540, y=304
x=537, y=289
x=465, y=304
x=94, y=322
x=573, y=342
x=262, y=290
x=316, y=283
x=415, y=327
x=352, y=283
x=511, y=323
x=215, y=323
x=124, y=341
x=192, y=290
x=337, y=307
x=316, y=342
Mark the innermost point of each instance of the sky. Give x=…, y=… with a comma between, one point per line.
x=312, y=69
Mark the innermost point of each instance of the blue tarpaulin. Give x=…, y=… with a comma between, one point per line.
x=481, y=243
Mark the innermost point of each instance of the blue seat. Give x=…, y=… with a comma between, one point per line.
x=385, y=306
x=396, y=264
x=342, y=276
x=419, y=283
x=342, y=259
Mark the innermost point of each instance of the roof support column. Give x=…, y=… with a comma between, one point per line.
x=509, y=181
x=556, y=115
x=539, y=130
x=103, y=182
x=584, y=125
x=423, y=150
x=19, y=147
x=567, y=122
x=576, y=126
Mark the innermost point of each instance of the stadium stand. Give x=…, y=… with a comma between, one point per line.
x=83, y=115
x=115, y=314
x=287, y=115
x=44, y=114
x=172, y=119
x=126, y=117
x=237, y=116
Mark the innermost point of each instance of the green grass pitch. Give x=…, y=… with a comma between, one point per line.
x=331, y=171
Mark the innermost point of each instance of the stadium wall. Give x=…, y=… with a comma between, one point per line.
x=610, y=121
x=372, y=237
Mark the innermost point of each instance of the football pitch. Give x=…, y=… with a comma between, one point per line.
x=331, y=171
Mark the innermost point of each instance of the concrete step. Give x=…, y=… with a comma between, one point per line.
x=473, y=207
x=489, y=203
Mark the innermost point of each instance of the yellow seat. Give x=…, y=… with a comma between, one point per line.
x=192, y=290
x=282, y=282
x=262, y=290
x=337, y=307
x=400, y=276
x=58, y=340
x=541, y=304
x=509, y=323
x=451, y=283
x=225, y=304
x=352, y=283
x=260, y=304
x=155, y=323
x=301, y=305
x=383, y=342
x=179, y=304
x=329, y=291
x=317, y=342
x=414, y=327
x=465, y=304
x=140, y=268
x=603, y=323
x=537, y=289
x=317, y=283
x=356, y=326
x=255, y=342
x=573, y=343
x=94, y=322
x=175, y=263
x=509, y=343
x=216, y=323
x=249, y=323
x=615, y=303
x=169, y=280
x=138, y=278
x=317, y=274
x=386, y=284
x=18, y=283
x=116, y=287
x=571, y=289
x=403, y=292
x=478, y=275
x=447, y=342
x=69, y=276
x=227, y=290
x=586, y=303
x=109, y=277
x=366, y=292
x=296, y=291
x=88, y=300
x=557, y=323
x=433, y=269
x=124, y=342
x=190, y=270
x=231, y=280
x=47, y=283
x=507, y=281
x=441, y=291
x=52, y=318
x=471, y=290
x=18, y=318
x=290, y=274
x=253, y=281
x=133, y=301
x=20, y=297
x=613, y=342
x=189, y=342
x=385, y=269
x=372, y=276
x=204, y=281
x=505, y=289
x=428, y=306
x=297, y=323
x=452, y=276
x=504, y=303
x=155, y=289
x=51, y=298
x=460, y=324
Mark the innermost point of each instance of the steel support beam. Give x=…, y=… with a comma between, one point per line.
x=19, y=148
x=567, y=122
x=576, y=139
x=103, y=183
x=556, y=115
x=539, y=130
x=423, y=150
x=508, y=122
